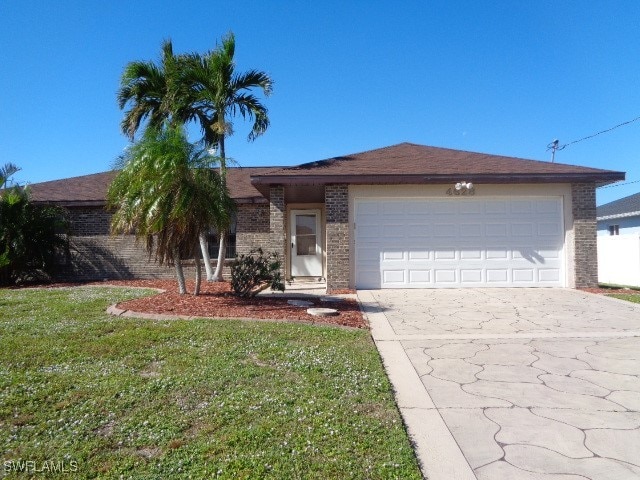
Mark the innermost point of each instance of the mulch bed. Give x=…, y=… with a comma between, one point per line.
x=216, y=300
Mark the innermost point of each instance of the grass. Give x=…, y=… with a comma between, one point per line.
x=630, y=297
x=107, y=397
x=615, y=286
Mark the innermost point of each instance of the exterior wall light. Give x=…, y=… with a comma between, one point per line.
x=466, y=185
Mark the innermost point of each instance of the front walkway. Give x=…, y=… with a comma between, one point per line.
x=514, y=384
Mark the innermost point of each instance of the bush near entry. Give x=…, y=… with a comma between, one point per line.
x=254, y=272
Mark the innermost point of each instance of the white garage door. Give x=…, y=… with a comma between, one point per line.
x=459, y=242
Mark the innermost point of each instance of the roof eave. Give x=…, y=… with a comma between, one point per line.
x=618, y=215
x=600, y=178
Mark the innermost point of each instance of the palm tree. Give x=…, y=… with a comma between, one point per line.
x=167, y=193
x=198, y=88
x=6, y=172
x=216, y=94
x=155, y=93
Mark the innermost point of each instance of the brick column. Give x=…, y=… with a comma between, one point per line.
x=585, y=261
x=277, y=226
x=336, y=199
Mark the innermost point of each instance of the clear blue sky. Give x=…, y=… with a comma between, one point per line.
x=501, y=77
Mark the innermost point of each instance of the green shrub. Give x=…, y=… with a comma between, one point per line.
x=31, y=237
x=254, y=272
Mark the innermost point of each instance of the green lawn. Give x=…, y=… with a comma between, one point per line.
x=109, y=397
x=634, y=297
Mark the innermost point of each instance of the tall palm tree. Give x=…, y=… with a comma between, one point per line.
x=156, y=94
x=217, y=93
x=164, y=194
x=198, y=88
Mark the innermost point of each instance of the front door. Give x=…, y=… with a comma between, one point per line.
x=306, y=247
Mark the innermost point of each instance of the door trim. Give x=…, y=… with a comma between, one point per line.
x=319, y=238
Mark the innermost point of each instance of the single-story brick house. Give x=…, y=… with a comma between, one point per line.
x=404, y=216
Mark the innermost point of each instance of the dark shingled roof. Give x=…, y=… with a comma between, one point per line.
x=411, y=163
x=622, y=207
x=405, y=163
x=92, y=189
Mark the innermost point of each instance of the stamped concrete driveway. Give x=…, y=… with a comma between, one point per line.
x=534, y=384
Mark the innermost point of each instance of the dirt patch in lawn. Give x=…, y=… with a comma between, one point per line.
x=217, y=301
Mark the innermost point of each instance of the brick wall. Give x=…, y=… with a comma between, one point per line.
x=96, y=255
x=585, y=249
x=277, y=226
x=86, y=221
x=337, y=213
x=252, y=230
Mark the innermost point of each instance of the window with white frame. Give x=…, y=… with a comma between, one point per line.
x=614, y=229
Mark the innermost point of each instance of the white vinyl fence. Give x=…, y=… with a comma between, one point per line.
x=619, y=259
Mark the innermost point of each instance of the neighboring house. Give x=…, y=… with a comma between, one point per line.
x=405, y=216
x=619, y=241
x=619, y=217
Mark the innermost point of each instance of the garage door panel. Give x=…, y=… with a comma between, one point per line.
x=549, y=229
x=393, y=208
x=420, y=276
x=442, y=254
x=367, y=208
x=418, y=231
x=470, y=254
x=547, y=206
x=520, y=206
x=444, y=230
x=419, y=254
x=471, y=230
x=471, y=208
x=443, y=208
x=497, y=253
x=393, y=255
x=551, y=275
x=493, y=207
x=497, y=275
x=496, y=229
x=459, y=242
x=470, y=275
x=393, y=277
x=522, y=229
x=523, y=275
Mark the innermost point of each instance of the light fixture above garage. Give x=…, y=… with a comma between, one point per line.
x=466, y=185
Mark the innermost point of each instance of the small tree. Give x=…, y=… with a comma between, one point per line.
x=255, y=272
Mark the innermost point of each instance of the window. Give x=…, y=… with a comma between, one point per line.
x=230, y=243
x=614, y=229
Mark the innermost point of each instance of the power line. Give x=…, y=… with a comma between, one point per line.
x=620, y=184
x=554, y=146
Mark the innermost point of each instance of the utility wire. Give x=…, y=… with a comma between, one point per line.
x=554, y=146
x=620, y=184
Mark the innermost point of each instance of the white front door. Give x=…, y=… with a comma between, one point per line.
x=306, y=248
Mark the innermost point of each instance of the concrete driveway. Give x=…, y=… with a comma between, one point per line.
x=514, y=383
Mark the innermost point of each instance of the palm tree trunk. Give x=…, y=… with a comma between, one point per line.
x=217, y=276
x=204, y=247
x=196, y=258
x=182, y=287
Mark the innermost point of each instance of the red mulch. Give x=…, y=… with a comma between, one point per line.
x=216, y=300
